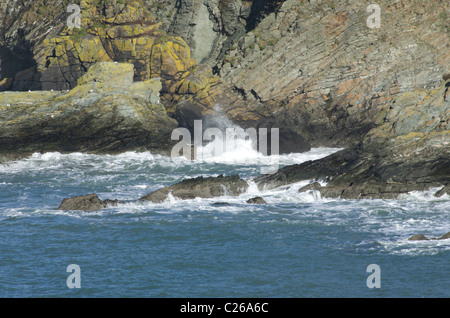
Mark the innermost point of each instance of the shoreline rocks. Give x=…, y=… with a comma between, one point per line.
x=397, y=156
x=107, y=113
x=200, y=187
x=421, y=237
x=392, y=114
x=90, y=202
x=256, y=200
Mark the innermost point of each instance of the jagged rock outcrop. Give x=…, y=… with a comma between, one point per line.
x=313, y=68
x=408, y=150
x=200, y=187
x=421, y=237
x=117, y=31
x=105, y=113
x=110, y=31
x=317, y=68
x=128, y=32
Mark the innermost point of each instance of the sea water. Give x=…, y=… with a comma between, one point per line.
x=298, y=245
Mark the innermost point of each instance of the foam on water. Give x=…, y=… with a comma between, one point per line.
x=242, y=155
x=131, y=175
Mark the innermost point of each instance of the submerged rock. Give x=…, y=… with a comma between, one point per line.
x=421, y=237
x=256, y=200
x=200, y=187
x=89, y=202
x=221, y=203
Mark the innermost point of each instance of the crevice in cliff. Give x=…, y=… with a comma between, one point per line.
x=261, y=9
x=256, y=96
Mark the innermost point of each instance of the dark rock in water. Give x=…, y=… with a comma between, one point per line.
x=418, y=237
x=200, y=188
x=329, y=166
x=444, y=190
x=221, y=203
x=311, y=186
x=89, y=202
x=257, y=200
x=421, y=237
x=109, y=202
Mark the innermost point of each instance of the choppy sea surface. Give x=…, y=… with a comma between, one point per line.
x=298, y=245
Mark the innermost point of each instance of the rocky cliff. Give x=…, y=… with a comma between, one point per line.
x=317, y=69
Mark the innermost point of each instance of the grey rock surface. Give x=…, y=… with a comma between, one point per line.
x=200, y=187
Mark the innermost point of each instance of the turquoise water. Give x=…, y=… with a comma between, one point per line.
x=295, y=246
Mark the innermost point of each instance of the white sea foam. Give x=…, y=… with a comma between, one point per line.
x=242, y=156
x=415, y=248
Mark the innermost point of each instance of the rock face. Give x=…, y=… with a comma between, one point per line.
x=211, y=27
x=317, y=68
x=89, y=202
x=314, y=69
x=128, y=32
x=124, y=32
x=200, y=188
x=408, y=150
x=106, y=113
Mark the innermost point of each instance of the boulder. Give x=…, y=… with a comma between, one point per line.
x=418, y=237
x=256, y=200
x=421, y=237
x=200, y=187
x=444, y=190
x=89, y=202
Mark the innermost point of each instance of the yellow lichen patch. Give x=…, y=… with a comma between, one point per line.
x=171, y=57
